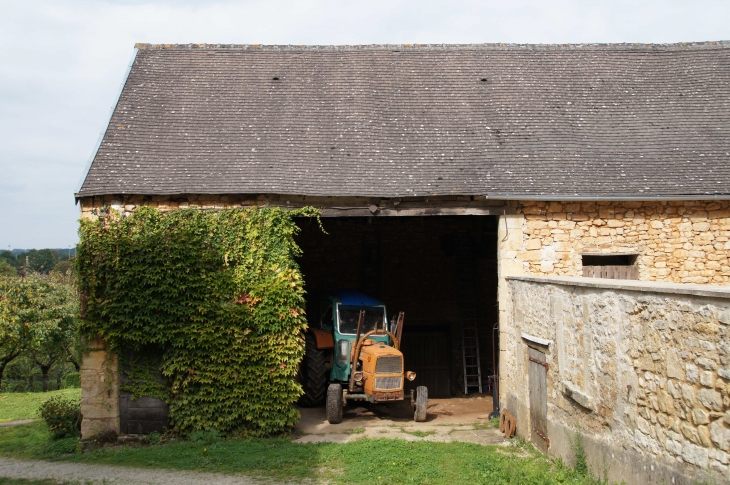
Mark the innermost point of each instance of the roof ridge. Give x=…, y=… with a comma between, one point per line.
x=713, y=44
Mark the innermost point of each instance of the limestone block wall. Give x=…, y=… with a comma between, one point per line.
x=678, y=241
x=641, y=370
x=99, y=391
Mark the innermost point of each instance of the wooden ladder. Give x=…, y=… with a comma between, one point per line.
x=466, y=274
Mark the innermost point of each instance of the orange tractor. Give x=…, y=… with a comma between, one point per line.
x=352, y=354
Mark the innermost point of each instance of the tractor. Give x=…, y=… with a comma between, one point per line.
x=352, y=354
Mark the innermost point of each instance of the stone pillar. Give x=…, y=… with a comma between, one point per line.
x=99, y=391
x=510, y=243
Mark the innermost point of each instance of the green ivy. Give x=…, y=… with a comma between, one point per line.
x=142, y=374
x=221, y=297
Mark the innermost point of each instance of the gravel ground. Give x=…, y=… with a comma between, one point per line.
x=113, y=475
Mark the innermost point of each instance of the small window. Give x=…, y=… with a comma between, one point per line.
x=614, y=266
x=325, y=319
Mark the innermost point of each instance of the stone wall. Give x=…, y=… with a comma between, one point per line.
x=678, y=241
x=642, y=370
x=99, y=392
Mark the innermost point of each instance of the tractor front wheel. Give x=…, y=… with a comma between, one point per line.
x=421, y=404
x=314, y=373
x=334, y=403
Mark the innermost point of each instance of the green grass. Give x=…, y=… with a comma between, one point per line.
x=363, y=461
x=24, y=441
x=488, y=424
x=418, y=432
x=23, y=405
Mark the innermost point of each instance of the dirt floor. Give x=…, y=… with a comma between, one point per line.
x=455, y=419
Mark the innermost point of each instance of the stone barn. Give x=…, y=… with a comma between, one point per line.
x=568, y=204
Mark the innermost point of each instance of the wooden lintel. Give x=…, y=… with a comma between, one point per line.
x=412, y=211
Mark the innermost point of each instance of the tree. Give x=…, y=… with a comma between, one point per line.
x=6, y=269
x=53, y=346
x=37, y=315
x=40, y=260
x=9, y=257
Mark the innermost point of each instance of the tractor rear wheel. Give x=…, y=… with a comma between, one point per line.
x=334, y=403
x=314, y=373
x=421, y=404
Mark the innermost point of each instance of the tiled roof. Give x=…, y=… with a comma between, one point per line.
x=505, y=121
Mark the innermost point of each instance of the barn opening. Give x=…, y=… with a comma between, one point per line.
x=440, y=270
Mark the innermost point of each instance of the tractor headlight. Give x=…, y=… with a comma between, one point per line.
x=357, y=376
x=343, y=351
x=410, y=375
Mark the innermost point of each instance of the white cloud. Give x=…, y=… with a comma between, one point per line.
x=63, y=61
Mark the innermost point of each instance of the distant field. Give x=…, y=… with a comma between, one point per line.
x=23, y=405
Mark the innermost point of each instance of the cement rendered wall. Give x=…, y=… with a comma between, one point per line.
x=641, y=370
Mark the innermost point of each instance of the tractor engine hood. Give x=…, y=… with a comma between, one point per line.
x=382, y=369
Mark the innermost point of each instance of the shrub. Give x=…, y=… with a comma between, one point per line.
x=62, y=446
x=62, y=416
x=71, y=381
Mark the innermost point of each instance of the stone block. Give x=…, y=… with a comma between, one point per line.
x=673, y=447
x=688, y=393
x=674, y=365
x=555, y=207
x=510, y=267
x=97, y=427
x=720, y=435
x=707, y=379
x=704, y=362
x=673, y=390
x=695, y=454
x=700, y=416
x=723, y=316
x=690, y=433
x=704, y=433
x=535, y=255
x=710, y=398
x=700, y=226
x=533, y=244
x=692, y=373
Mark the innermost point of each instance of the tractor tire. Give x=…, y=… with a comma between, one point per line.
x=421, y=404
x=314, y=374
x=334, y=403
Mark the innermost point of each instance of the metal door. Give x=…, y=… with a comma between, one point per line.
x=538, y=399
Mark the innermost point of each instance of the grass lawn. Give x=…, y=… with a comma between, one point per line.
x=363, y=461
x=23, y=405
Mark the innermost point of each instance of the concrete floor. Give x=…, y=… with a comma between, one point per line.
x=455, y=419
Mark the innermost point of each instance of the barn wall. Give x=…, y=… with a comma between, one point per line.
x=642, y=370
x=677, y=241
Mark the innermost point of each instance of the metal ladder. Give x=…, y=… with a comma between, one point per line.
x=466, y=273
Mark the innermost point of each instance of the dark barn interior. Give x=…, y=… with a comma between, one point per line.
x=439, y=270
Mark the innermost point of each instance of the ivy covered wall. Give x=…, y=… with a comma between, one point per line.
x=214, y=297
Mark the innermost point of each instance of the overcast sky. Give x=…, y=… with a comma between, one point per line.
x=62, y=64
